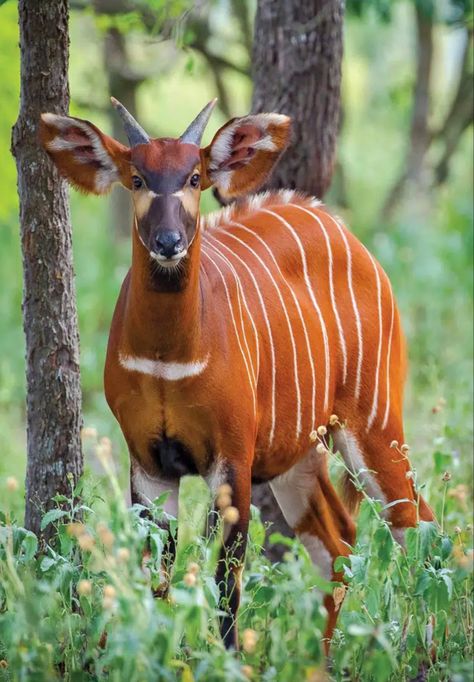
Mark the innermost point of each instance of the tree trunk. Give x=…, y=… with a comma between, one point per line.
x=297, y=71
x=123, y=85
x=49, y=304
x=420, y=136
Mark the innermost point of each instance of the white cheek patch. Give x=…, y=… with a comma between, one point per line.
x=294, y=488
x=318, y=553
x=347, y=445
x=171, y=371
x=150, y=487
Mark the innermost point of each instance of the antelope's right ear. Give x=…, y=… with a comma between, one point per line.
x=90, y=160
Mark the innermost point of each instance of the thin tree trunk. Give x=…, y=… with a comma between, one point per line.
x=420, y=136
x=297, y=71
x=49, y=305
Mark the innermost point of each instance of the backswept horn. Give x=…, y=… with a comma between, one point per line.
x=194, y=132
x=134, y=131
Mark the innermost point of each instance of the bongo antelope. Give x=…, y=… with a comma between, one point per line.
x=237, y=335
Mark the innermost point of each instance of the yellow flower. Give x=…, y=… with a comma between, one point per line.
x=249, y=640
x=84, y=587
x=231, y=515
x=190, y=579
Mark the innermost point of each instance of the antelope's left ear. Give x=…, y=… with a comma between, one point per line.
x=244, y=152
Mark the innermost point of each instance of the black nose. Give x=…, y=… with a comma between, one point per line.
x=168, y=244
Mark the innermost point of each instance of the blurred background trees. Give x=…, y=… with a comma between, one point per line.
x=402, y=180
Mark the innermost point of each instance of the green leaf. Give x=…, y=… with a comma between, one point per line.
x=46, y=563
x=51, y=516
x=442, y=462
x=30, y=545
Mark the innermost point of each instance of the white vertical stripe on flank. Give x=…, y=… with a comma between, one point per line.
x=240, y=293
x=287, y=317
x=387, y=407
x=373, y=411
x=269, y=330
x=235, y=326
x=342, y=340
x=298, y=307
x=360, y=342
x=312, y=297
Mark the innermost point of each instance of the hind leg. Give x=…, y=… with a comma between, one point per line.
x=385, y=473
x=313, y=509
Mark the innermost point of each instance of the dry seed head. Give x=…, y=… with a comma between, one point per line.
x=436, y=409
x=104, y=449
x=322, y=430
x=84, y=588
x=89, y=432
x=108, y=603
x=446, y=476
x=409, y=474
x=247, y=671
x=193, y=568
x=405, y=448
x=231, y=515
x=394, y=444
x=190, y=579
x=109, y=591
x=457, y=530
x=105, y=534
x=321, y=449
x=249, y=640
x=86, y=542
x=333, y=419
x=12, y=484
x=223, y=501
x=224, y=489
x=123, y=554
x=3, y=663
x=76, y=529
x=338, y=595
x=313, y=436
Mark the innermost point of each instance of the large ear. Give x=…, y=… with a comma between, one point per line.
x=90, y=160
x=243, y=153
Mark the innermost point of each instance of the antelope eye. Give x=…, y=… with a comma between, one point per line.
x=194, y=180
x=137, y=182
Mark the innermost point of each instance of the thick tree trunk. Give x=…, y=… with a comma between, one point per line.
x=297, y=71
x=49, y=305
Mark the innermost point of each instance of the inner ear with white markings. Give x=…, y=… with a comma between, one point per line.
x=84, y=155
x=243, y=153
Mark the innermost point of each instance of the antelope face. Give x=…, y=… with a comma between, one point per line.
x=165, y=181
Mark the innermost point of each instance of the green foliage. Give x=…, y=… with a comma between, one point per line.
x=82, y=607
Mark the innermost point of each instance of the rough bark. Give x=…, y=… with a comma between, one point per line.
x=297, y=71
x=49, y=305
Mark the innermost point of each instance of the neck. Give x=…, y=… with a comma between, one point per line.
x=164, y=307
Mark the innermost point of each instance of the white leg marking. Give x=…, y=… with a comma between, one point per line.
x=298, y=307
x=373, y=411
x=171, y=371
x=342, y=340
x=270, y=338
x=312, y=297
x=389, y=353
x=252, y=387
x=360, y=345
x=150, y=487
x=318, y=553
x=348, y=446
x=294, y=488
x=287, y=317
x=240, y=294
x=216, y=476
